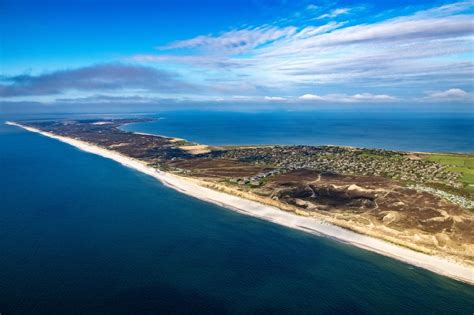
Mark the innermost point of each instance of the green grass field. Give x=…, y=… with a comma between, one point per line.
x=463, y=164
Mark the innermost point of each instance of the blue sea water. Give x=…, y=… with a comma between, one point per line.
x=394, y=130
x=83, y=234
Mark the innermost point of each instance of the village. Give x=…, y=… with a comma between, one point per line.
x=341, y=160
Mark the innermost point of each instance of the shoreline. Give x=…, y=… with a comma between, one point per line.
x=435, y=264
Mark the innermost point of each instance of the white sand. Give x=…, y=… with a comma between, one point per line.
x=436, y=264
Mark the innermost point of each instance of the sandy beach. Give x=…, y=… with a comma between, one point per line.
x=435, y=264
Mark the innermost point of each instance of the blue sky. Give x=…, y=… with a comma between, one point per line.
x=258, y=51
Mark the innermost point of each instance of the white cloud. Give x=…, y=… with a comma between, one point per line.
x=311, y=97
x=451, y=95
x=371, y=97
x=275, y=98
x=344, y=98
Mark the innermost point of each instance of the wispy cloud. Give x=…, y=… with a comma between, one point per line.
x=312, y=7
x=408, y=52
x=209, y=61
x=334, y=13
x=233, y=42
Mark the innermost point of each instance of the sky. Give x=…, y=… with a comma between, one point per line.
x=247, y=51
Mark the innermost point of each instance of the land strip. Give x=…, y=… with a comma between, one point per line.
x=330, y=190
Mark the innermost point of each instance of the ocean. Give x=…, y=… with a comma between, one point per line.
x=392, y=130
x=83, y=234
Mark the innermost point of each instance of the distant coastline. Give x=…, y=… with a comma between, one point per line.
x=369, y=130
x=311, y=225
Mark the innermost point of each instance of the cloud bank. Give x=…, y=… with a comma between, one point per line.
x=103, y=77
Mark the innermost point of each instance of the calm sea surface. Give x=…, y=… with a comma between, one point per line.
x=83, y=234
x=394, y=130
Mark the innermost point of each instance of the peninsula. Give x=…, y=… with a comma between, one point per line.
x=415, y=207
